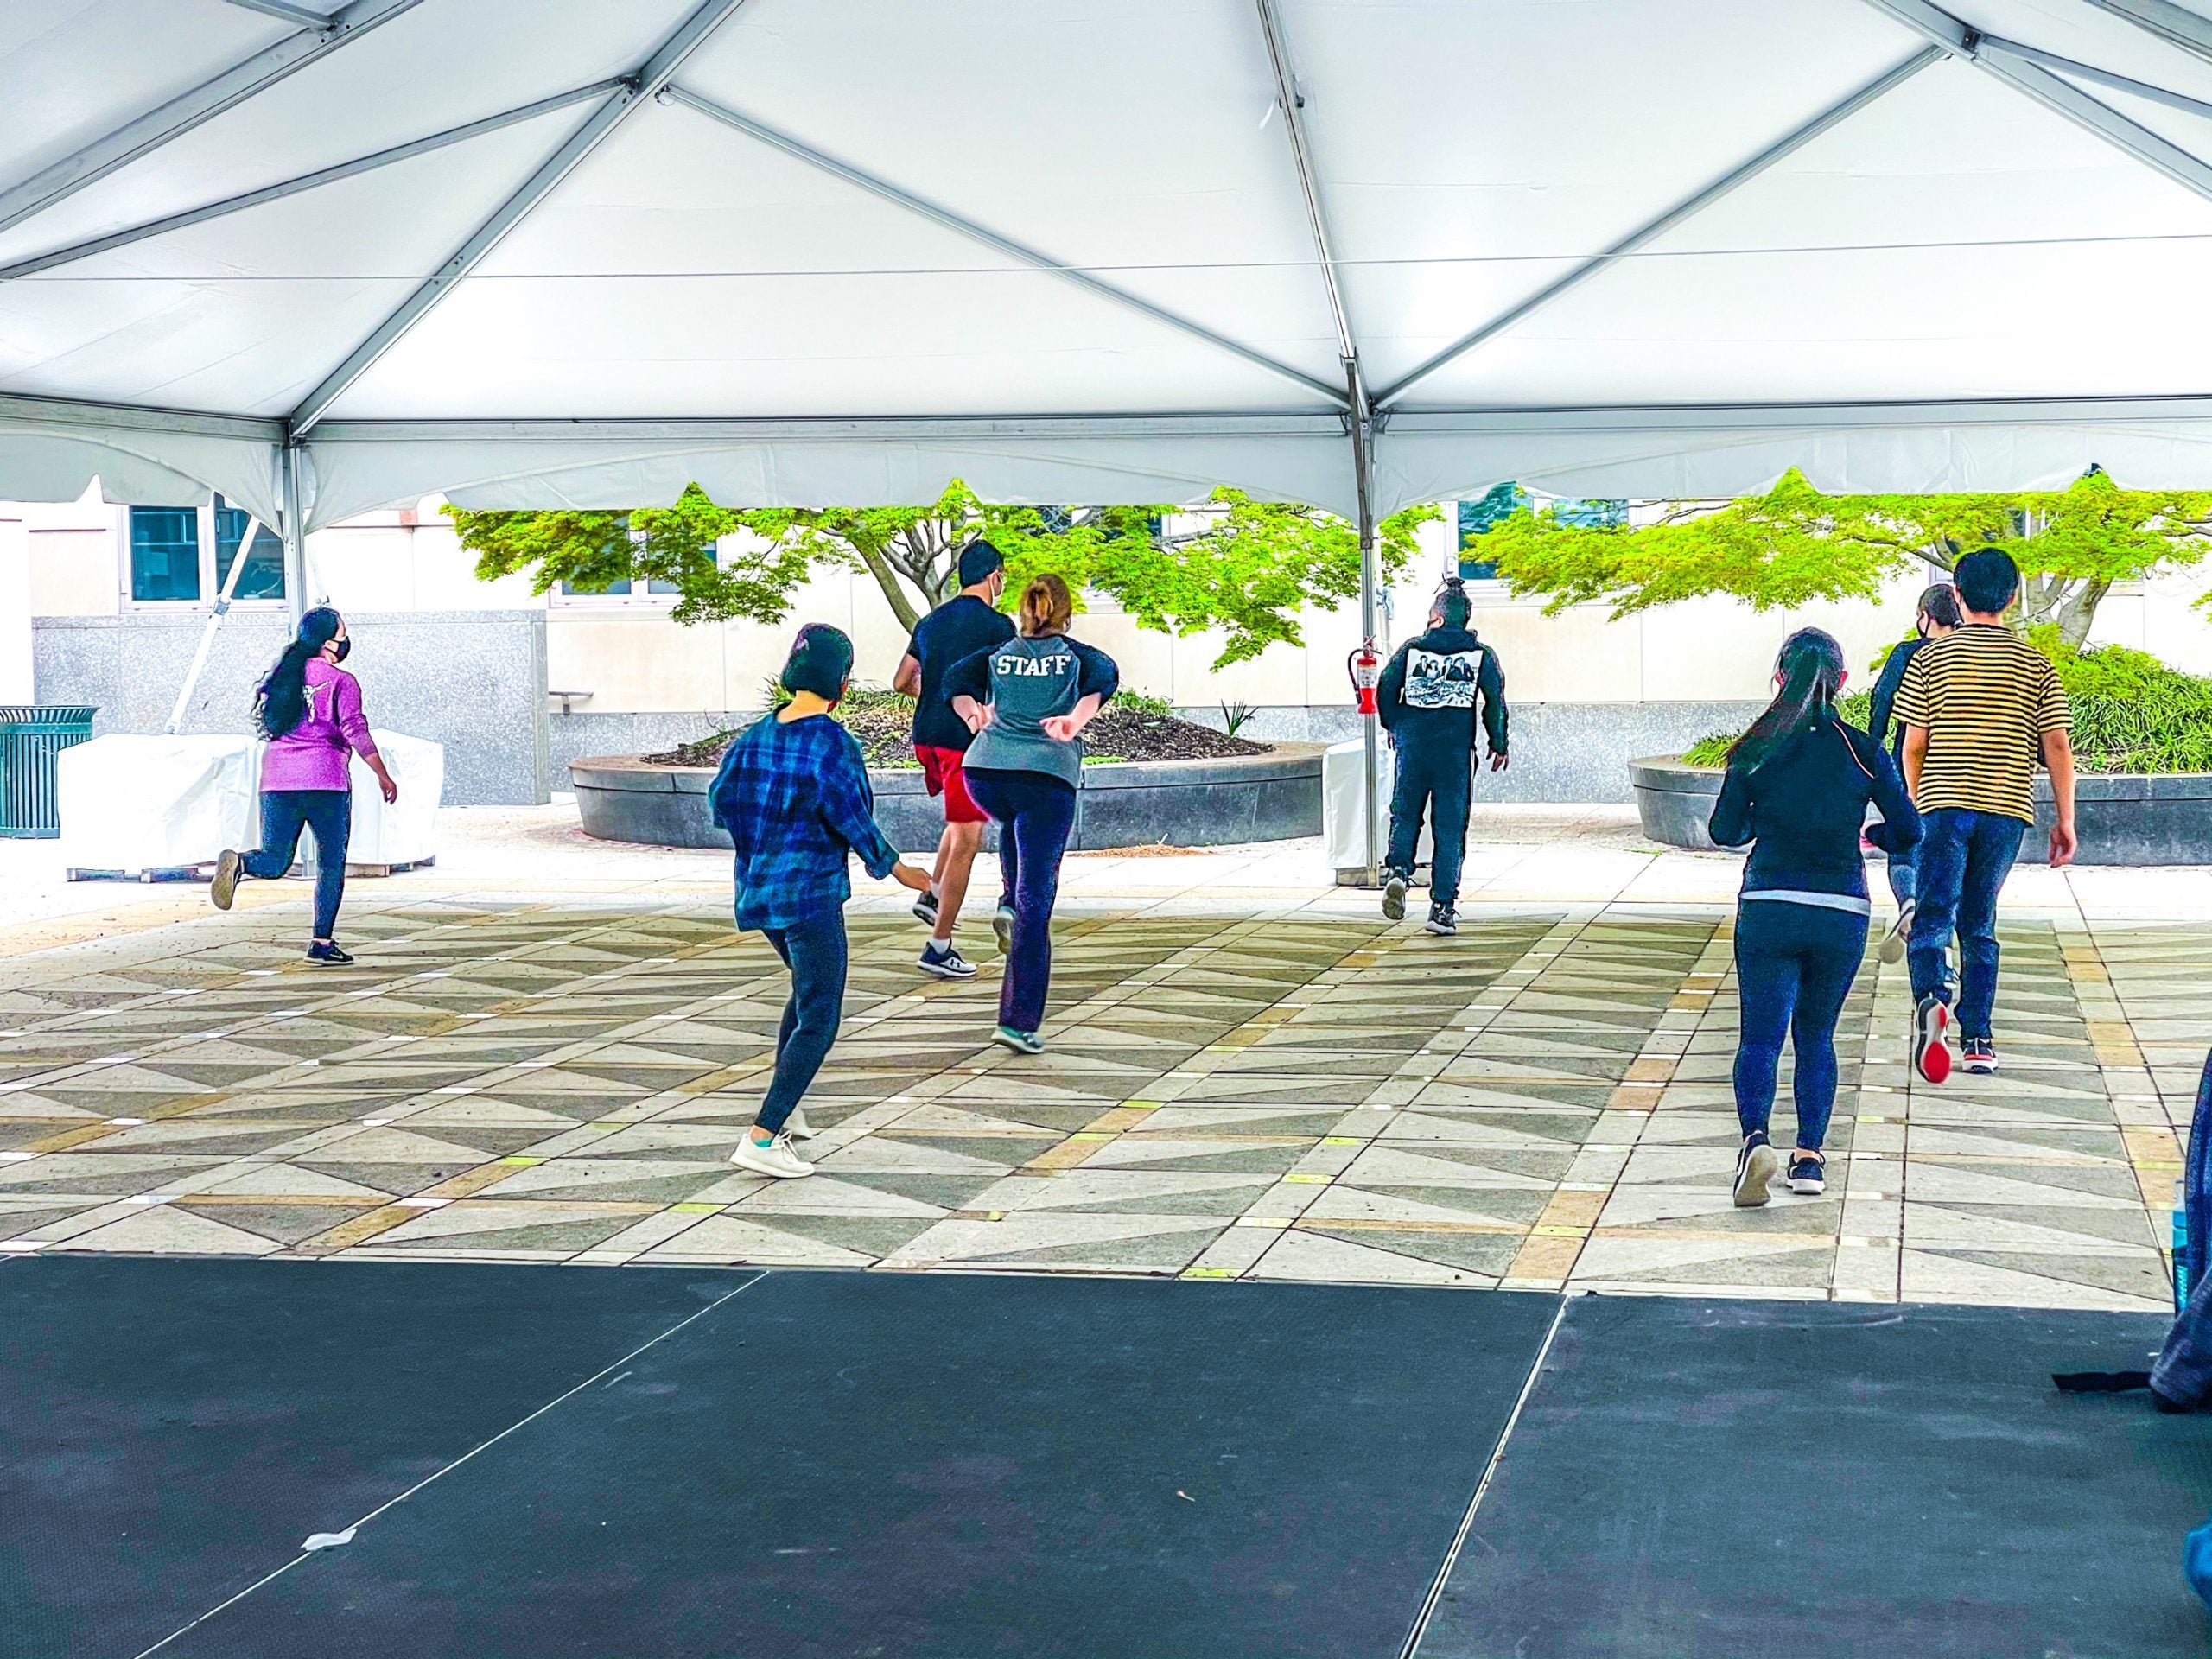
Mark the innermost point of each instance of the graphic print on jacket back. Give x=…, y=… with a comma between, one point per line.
x=1442, y=679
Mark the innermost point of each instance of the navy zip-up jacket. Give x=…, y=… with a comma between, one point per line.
x=1803, y=808
x=1885, y=696
x=1428, y=693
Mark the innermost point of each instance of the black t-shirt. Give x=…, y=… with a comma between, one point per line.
x=959, y=628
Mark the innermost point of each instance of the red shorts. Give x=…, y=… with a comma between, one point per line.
x=941, y=771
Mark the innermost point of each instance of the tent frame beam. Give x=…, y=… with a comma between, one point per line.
x=306, y=16
x=2175, y=25
x=293, y=186
x=1685, y=209
x=798, y=149
x=638, y=90
x=2142, y=89
x=2054, y=92
x=83, y=415
x=135, y=417
x=149, y=132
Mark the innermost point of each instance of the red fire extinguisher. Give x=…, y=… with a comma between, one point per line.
x=1365, y=667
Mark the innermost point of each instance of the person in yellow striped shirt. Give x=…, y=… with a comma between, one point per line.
x=1979, y=708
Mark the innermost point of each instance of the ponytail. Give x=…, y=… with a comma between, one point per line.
x=1810, y=667
x=281, y=704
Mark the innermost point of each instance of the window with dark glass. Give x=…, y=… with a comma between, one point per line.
x=164, y=553
x=1478, y=518
x=263, y=577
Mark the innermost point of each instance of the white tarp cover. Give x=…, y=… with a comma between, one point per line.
x=131, y=803
x=1920, y=248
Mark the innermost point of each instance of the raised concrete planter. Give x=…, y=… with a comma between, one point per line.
x=2122, y=818
x=1271, y=797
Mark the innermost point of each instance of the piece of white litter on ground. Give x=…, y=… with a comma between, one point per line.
x=327, y=1540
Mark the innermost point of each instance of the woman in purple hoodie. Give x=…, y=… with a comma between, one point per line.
x=309, y=709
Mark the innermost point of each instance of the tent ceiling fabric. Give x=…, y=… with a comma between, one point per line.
x=1060, y=248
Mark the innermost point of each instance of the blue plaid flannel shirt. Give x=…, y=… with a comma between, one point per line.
x=795, y=799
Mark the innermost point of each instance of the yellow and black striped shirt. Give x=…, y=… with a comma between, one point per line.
x=1987, y=697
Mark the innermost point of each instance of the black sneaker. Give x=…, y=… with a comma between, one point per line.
x=1931, y=1057
x=329, y=956
x=948, y=964
x=1755, y=1166
x=925, y=908
x=1443, y=921
x=1394, y=896
x=1979, y=1055
x=1809, y=1174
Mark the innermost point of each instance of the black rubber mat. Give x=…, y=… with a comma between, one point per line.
x=171, y=1429
x=845, y=1463
x=1782, y=1480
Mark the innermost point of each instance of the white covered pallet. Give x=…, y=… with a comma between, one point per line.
x=142, y=806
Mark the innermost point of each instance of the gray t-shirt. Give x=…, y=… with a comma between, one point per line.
x=1026, y=681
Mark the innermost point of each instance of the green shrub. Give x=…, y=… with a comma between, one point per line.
x=2131, y=712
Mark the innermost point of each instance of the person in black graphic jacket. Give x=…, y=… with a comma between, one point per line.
x=1429, y=699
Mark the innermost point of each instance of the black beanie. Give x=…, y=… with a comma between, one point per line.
x=821, y=661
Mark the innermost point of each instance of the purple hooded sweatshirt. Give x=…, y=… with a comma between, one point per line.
x=315, y=754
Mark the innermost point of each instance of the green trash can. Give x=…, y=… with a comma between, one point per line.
x=31, y=737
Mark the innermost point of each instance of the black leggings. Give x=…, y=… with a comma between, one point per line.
x=1794, y=967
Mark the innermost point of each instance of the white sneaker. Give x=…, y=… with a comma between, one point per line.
x=1893, y=942
x=798, y=1128
x=775, y=1159
x=1002, y=924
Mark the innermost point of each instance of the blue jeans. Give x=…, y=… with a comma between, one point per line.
x=1794, y=967
x=329, y=813
x=813, y=949
x=1964, y=859
x=1441, y=783
x=1035, y=814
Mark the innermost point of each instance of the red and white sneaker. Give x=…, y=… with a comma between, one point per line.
x=1979, y=1056
x=1931, y=1055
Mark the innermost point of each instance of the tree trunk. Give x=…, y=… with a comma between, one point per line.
x=2068, y=603
x=888, y=580
x=2075, y=618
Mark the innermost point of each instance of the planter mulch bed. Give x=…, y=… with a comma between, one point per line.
x=1118, y=733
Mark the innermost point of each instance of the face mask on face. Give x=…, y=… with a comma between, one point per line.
x=339, y=649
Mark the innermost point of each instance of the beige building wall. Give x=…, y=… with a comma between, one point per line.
x=629, y=657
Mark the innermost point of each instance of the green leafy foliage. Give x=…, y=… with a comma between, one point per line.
x=1247, y=567
x=1795, y=545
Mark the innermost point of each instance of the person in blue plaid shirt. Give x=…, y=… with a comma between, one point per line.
x=793, y=793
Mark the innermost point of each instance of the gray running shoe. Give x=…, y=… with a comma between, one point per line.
x=1755, y=1167
x=228, y=867
x=1394, y=896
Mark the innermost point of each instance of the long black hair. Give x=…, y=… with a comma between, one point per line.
x=282, y=702
x=1810, y=667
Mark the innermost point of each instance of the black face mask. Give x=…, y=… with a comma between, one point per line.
x=345, y=647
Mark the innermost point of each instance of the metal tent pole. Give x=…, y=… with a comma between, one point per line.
x=296, y=590
x=1362, y=422
x=295, y=533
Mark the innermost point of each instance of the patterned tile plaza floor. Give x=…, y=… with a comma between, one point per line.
x=1269, y=1093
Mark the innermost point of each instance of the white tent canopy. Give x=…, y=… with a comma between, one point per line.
x=533, y=252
